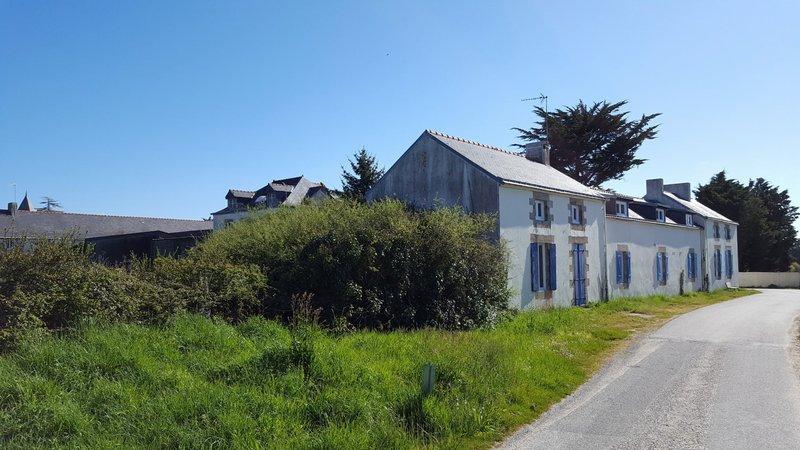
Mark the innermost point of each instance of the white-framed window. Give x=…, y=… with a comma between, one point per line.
x=539, y=210
x=689, y=220
x=716, y=230
x=576, y=214
x=543, y=267
x=660, y=215
x=622, y=209
x=727, y=232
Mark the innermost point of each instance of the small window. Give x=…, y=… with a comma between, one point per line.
x=689, y=220
x=660, y=215
x=539, y=212
x=662, y=267
x=727, y=232
x=576, y=215
x=623, y=263
x=543, y=267
x=716, y=231
x=622, y=209
x=691, y=264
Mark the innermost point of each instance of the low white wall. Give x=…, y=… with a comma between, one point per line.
x=766, y=279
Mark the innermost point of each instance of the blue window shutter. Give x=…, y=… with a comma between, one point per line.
x=534, y=267
x=659, y=269
x=551, y=277
x=619, y=267
x=628, y=267
x=666, y=267
x=689, y=265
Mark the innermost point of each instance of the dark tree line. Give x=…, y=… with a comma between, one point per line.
x=766, y=219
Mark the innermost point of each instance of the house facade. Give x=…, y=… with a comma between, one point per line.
x=569, y=244
x=288, y=191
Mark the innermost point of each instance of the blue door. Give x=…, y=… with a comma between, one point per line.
x=579, y=272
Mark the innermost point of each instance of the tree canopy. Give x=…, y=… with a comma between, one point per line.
x=766, y=220
x=363, y=174
x=592, y=144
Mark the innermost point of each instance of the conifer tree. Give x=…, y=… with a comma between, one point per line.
x=363, y=174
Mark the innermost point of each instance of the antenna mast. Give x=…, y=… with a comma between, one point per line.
x=542, y=99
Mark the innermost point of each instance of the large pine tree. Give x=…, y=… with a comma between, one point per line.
x=363, y=174
x=766, y=220
x=592, y=144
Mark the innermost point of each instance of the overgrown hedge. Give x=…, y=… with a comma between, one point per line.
x=378, y=266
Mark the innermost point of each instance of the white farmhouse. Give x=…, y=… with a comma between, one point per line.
x=569, y=244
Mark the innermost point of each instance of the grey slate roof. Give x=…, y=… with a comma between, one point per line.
x=698, y=208
x=238, y=193
x=295, y=188
x=54, y=223
x=514, y=168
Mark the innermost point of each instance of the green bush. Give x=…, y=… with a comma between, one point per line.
x=377, y=266
x=53, y=284
x=218, y=288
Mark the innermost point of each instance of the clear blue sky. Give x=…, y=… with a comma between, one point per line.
x=157, y=108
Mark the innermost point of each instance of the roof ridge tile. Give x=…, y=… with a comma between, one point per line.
x=468, y=141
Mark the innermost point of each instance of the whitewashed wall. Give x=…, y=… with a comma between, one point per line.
x=219, y=219
x=516, y=228
x=767, y=279
x=711, y=243
x=644, y=240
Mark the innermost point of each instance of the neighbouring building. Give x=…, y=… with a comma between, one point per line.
x=114, y=238
x=569, y=244
x=288, y=191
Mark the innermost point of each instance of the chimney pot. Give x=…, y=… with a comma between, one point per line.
x=538, y=152
x=655, y=189
x=682, y=190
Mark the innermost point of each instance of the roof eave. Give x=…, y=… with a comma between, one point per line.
x=552, y=190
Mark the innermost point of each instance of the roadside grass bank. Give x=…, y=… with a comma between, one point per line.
x=197, y=382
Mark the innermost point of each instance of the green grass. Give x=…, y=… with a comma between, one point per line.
x=203, y=383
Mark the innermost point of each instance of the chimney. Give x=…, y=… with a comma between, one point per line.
x=682, y=190
x=12, y=208
x=538, y=152
x=655, y=189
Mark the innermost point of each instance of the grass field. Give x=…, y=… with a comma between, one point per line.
x=203, y=383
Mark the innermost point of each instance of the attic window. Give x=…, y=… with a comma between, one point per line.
x=689, y=220
x=660, y=215
x=622, y=209
x=539, y=208
x=576, y=214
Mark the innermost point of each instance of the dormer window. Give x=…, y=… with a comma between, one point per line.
x=660, y=215
x=689, y=220
x=622, y=209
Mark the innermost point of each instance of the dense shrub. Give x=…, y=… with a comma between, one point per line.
x=233, y=291
x=379, y=265
x=53, y=284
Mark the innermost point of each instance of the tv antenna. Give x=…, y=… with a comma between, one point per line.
x=542, y=99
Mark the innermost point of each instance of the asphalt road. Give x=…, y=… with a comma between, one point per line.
x=723, y=376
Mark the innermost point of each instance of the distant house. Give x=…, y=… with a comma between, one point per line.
x=569, y=244
x=114, y=238
x=288, y=191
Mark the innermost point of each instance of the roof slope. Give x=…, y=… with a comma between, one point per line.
x=50, y=224
x=514, y=168
x=698, y=208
